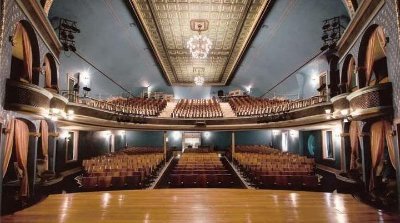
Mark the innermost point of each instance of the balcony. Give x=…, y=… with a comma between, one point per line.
x=371, y=101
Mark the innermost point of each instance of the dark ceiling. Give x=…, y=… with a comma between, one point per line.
x=111, y=39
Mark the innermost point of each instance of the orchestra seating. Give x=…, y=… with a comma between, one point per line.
x=132, y=106
x=268, y=168
x=197, y=108
x=200, y=169
x=252, y=106
x=128, y=169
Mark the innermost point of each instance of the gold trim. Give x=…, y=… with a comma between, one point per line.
x=35, y=134
x=151, y=16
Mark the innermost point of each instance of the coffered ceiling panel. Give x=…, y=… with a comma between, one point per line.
x=166, y=24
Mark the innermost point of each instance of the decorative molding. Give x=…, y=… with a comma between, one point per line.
x=34, y=11
x=35, y=134
x=54, y=134
x=364, y=14
x=167, y=37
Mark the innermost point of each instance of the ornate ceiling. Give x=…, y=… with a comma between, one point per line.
x=166, y=24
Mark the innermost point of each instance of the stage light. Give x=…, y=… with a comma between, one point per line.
x=72, y=48
x=65, y=47
x=63, y=34
x=325, y=37
x=71, y=36
x=324, y=47
x=326, y=26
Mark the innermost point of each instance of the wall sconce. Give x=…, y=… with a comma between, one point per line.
x=65, y=135
x=207, y=134
x=166, y=139
x=294, y=133
x=70, y=115
x=275, y=132
x=106, y=134
x=344, y=112
x=122, y=133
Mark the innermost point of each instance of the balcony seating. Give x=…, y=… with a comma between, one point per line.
x=119, y=170
x=268, y=167
x=132, y=106
x=251, y=106
x=197, y=108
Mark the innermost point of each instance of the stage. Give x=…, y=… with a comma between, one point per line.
x=200, y=205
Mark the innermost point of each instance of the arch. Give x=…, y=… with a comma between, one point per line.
x=348, y=78
x=334, y=77
x=372, y=59
x=25, y=61
x=51, y=72
x=351, y=6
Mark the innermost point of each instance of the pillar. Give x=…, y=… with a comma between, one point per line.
x=233, y=145
x=165, y=146
x=396, y=139
x=365, y=146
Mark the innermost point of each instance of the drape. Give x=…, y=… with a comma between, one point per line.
x=21, y=149
x=47, y=72
x=45, y=142
x=354, y=144
x=9, y=145
x=350, y=71
x=27, y=52
x=389, y=142
x=369, y=59
x=377, y=148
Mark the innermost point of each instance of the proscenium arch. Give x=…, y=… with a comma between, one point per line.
x=363, y=79
x=15, y=73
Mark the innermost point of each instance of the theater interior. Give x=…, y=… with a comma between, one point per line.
x=199, y=110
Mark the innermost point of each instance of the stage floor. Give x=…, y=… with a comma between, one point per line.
x=200, y=205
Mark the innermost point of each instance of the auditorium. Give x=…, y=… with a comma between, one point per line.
x=199, y=111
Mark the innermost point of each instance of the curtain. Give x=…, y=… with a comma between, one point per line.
x=21, y=149
x=45, y=142
x=377, y=147
x=350, y=70
x=27, y=51
x=389, y=142
x=369, y=59
x=354, y=144
x=9, y=145
x=47, y=72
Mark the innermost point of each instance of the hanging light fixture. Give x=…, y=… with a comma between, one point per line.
x=199, y=80
x=199, y=45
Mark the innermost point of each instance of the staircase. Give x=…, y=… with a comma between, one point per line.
x=166, y=113
x=227, y=110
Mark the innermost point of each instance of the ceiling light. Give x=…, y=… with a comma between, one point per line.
x=199, y=46
x=199, y=80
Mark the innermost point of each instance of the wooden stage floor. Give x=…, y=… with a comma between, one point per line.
x=200, y=205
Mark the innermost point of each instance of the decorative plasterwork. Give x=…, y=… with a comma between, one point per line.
x=166, y=24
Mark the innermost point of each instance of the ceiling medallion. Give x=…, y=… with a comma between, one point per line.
x=199, y=45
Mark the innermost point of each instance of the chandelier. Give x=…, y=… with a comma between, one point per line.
x=199, y=80
x=199, y=46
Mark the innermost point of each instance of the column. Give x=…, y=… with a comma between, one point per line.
x=233, y=145
x=397, y=158
x=165, y=146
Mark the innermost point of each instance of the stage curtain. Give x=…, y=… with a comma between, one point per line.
x=21, y=149
x=389, y=142
x=27, y=51
x=9, y=145
x=47, y=72
x=45, y=142
x=354, y=144
x=377, y=147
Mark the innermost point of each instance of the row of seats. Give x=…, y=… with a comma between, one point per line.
x=197, y=108
x=200, y=169
x=265, y=167
x=120, y=169
x=252, y=106
x=132, y=106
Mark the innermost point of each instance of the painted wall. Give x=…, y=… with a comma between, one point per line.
x=145, y=138
x=311, y=146
x=217, y=140
x=258, y=137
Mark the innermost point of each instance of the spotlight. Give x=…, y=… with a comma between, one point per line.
x=72, y=48
x=325, y=37
x=326, y=26
x=333, y=35
x=332, y=46
x=65, y=47
x=63, y=34
x=335, y=24
x=71, y=36
x=73, y=28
